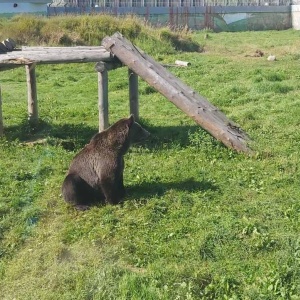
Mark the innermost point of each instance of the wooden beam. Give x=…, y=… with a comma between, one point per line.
x=189, y=101
x=32, y=94
x=102, y=95
x=1, y=118
x=133, y=94
x=60, y=49
x=54, y=55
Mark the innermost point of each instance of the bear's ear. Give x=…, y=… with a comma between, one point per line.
x=130, y=120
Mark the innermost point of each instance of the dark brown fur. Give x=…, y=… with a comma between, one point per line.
x=96, y=172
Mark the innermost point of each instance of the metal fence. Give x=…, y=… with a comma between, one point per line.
x=170, y=3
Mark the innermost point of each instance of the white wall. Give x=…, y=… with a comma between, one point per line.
x=296, y=16
x=22, y=7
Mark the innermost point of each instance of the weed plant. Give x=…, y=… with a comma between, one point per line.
x=200, y=221
x=75, y=30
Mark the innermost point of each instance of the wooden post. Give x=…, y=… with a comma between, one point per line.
x=133, y=94
x=32, y=94
x=1, y=119
x=102, y=95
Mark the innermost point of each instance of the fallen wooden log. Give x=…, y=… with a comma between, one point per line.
x=194, y=105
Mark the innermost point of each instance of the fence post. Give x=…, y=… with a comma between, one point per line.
x=102, y=95
x=32, y=94
x=1, y=118
x=133, y=94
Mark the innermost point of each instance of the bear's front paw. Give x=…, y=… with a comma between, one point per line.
x=82, y=207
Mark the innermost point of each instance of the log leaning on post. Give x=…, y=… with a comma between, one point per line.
x=194, y=105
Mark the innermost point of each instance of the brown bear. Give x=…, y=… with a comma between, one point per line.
x=96, y=172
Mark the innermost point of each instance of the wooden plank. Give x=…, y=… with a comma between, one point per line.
x=57, y=49
x=189, y=101
x=1, y=116
x=14, y=58
x=133, y=94
x=32, y=94
x=62, y=51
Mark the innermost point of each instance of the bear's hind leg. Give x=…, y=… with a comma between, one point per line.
x=78, y=192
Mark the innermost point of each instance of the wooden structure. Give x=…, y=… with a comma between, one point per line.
x=32, y=56
x=115, y=52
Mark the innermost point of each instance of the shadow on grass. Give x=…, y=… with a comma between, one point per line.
x=168, y=136
x=75, y=136
x=145, y=191
x=158, y=189
x=69, y=136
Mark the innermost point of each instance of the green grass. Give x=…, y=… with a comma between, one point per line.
x=200, y=221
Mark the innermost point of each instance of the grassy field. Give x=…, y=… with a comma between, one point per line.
x=200, y=221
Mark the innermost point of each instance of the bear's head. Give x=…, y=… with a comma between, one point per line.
x=136, y=132
x=124, y=133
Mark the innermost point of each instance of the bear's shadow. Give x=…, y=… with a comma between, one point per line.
x=144, y=192
x=158, y=189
